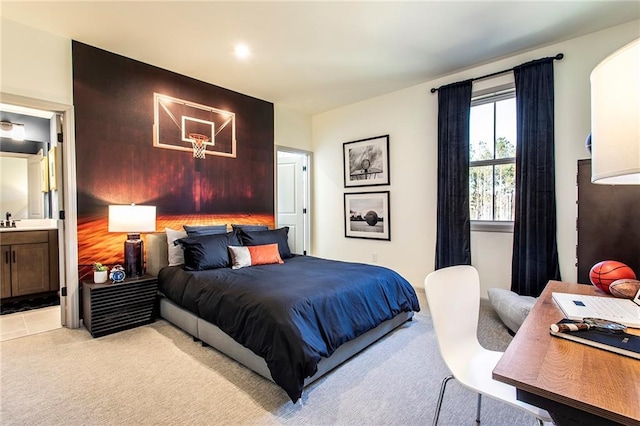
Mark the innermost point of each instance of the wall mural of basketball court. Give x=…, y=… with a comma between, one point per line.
x=200, y=153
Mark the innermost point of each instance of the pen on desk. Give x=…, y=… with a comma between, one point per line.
x=563, y=328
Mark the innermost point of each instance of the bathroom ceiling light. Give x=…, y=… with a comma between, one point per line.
x=14, y=131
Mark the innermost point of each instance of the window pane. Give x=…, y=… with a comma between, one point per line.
x=481, y=192
x=505, y=128
x=504, y=191
x=481, y=132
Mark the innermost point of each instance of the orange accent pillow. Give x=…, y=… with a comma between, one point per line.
x=265, y=255
x=244, y=256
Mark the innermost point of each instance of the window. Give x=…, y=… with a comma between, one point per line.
x=492, y=163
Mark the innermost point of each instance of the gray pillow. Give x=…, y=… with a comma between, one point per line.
x=510, y=307
x=204, y=252
x=238, y=227
x=196, y=230
x=259, y=238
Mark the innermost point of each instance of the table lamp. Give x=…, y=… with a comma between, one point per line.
x=615, y=118
x=133, y=220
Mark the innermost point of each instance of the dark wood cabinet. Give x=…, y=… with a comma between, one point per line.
x=608, y=223
x=29, y=262
x=112, y=307
x=6, y=272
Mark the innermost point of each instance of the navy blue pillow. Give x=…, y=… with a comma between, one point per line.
x=208, y=251
x=238, y=227
x=193, y=231
x=258, y=238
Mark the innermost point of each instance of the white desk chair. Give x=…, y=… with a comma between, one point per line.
x=453, y=295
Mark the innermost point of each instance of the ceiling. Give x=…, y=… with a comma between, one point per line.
x=315, y=56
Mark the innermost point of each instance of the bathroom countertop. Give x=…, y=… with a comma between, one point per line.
x=32, y=225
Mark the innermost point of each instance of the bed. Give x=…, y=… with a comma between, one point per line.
x=290, y=321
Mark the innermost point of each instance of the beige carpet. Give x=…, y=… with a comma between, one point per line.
x=156, y=374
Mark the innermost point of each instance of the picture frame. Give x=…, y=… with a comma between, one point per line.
x=53, y=179
x=367, y=215
x=44, y=175
x=366, y=162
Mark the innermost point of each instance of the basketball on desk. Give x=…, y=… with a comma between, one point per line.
x=602, y=274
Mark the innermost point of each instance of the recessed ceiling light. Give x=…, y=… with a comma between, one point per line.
x=242, y=51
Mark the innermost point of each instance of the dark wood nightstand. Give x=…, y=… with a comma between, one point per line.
x=109, y=308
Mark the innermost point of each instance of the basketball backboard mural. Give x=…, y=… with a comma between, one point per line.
x=183, y=125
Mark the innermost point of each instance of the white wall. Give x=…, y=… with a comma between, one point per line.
x=410, y=118
x=35, y=64
x=292, y=128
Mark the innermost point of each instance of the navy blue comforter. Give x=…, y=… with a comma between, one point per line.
x=292, y=314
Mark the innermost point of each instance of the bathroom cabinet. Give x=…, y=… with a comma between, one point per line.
x=29, y=263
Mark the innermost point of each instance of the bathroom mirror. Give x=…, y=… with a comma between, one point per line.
x=21, y=189
x=24, y=146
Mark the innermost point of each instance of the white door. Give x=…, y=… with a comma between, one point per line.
x=35, y=202
x=292, y=199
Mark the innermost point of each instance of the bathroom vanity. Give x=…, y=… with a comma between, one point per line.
x=29, y=263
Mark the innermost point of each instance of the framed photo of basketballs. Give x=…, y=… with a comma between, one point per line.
x=366, y=162
x=366, y=215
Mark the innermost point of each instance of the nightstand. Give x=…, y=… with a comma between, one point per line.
x=109, y=308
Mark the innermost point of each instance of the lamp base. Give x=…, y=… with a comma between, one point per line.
x=134, y=256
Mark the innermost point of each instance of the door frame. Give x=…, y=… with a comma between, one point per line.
x=67, y=227
x=306, y=189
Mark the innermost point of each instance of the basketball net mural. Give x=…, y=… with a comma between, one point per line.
x=200, y=153
x=189, y=126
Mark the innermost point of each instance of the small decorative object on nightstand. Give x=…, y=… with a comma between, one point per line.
x=117, y=274
x=108, y=308
x=100, y=273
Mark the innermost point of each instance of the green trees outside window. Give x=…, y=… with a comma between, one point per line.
x=492, y=158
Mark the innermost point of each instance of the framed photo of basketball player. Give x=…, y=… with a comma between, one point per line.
x=366, y=215
x=366, y=162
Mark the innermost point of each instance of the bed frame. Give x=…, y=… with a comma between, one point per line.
x=212, y=335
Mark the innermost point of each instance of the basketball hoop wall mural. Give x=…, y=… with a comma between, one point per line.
x=202, y=154
x=188, y=126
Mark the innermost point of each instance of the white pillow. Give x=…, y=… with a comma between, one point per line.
x=176, y=252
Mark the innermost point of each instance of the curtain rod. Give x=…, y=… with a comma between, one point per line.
x=435, y=89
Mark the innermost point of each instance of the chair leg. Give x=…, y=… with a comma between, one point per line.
x=478, y=408
x=440, y=397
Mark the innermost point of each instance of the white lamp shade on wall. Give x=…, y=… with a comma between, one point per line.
x=132, y=218
x=615, y=118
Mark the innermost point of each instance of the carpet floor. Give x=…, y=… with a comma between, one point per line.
x=156, y=375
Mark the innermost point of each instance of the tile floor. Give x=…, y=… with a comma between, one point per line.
x=30, y=322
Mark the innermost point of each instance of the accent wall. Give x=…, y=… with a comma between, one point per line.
x=200, y=153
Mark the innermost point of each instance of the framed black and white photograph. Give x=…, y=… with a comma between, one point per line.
x=366, y=215
x=366, y=162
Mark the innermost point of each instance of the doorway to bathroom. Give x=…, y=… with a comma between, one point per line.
x=43, y=215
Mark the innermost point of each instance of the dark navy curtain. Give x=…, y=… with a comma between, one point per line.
x=453, y=223
x=535, y=252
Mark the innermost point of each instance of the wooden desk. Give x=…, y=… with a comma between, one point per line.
x=574, y=382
